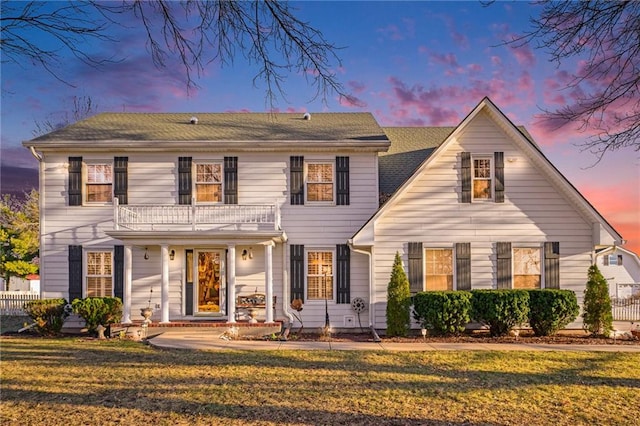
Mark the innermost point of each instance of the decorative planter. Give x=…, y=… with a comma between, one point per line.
x=146, y=313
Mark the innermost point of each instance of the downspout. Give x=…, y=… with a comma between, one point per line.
x=376, y=338
x=285, y=293
x=41, y=197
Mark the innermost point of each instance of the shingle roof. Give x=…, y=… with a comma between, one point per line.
x=410, y=146
x=220, y=127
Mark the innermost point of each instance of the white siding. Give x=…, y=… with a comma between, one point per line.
x=533, y=212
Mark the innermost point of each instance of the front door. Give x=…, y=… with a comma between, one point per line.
x=210, y=284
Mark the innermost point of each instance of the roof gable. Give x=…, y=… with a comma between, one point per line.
x=523, y=141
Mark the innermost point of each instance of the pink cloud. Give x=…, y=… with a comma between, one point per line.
x=474, y=68
x=448, y=59
x=524, y=55
x=356, y=86
x=496, y=61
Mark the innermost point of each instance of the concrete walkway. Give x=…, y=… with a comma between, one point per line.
x=211, y=341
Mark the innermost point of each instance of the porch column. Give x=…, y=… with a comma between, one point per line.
x=164, y=287
x=126, y=293
x=231, y=285
x=268, y=267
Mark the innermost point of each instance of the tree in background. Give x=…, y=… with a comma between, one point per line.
x=19, y=236
x=597, y=317
x=605, y=89
x=398, y=300
x=187, y=34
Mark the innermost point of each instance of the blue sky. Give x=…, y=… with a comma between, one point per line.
x=409, y=63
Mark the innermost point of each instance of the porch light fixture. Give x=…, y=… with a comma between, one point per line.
x=247, y=254
x=244, y=254
x=172, y=255
x=146, y=254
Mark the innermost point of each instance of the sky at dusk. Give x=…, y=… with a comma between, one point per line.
x=408, y=63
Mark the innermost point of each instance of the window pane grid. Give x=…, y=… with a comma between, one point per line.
x=99, y=274
x=320, y=275
x=439, y=269
x=209, y=183
x=320, y=182
x=482, y=178
x=99, y=183
x=526, y=268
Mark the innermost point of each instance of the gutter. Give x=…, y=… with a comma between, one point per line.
x=376, y=338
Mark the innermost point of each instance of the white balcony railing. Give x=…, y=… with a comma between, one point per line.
x=196, y=217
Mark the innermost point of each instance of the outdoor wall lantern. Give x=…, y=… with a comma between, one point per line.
x=247, y=254
x=172, y=255
x=146, y=254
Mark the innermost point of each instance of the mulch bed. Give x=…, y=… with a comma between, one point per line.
x=525, y=337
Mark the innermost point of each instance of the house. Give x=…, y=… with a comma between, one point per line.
x=192, y=215
x=621, y=269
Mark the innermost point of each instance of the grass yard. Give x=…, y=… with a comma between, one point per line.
x=78, y=381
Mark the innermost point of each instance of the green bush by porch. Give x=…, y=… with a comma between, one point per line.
x=97, y=311
x=48, y=314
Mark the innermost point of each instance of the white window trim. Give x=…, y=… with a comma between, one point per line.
x=194, y=174
x=85, y=181
x=492, y=168
x=333, y=182
x=454, y=287
x=306, y=275
x=85, y=260
x=513, y=260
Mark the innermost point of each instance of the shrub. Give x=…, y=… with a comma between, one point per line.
x=442, y=312
x=597, y=317
x=97, y=311
x=551, y=310
x=48, y=314
x=501, y=310
x=398, y=301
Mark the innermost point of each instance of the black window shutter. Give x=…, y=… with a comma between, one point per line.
x=120, y=179
x=343, y=270
x=605, y=260
x=342, y=178
x=184, y=180
x=118, y=272
x=296, y=165
x=75, y=181
x=552, y=264
x=416, y=277
x=499, y=175
x=75, y=273
x=503, y=265
x=297, y=271
x=463, y=266
x=188, y=286
x=619, y=260
x=465, y=176
x=231, y=180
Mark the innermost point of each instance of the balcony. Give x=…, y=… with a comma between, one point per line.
x=228, y=217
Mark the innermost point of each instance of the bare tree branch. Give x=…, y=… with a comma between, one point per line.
x=196, y=34
x=606, y=85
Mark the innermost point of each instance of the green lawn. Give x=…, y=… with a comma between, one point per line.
x=76, y=381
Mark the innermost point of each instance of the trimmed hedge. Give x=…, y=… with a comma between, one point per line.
x=97, y=311
x=550, y=310
x=48, y=314
x=442, y=312
x=501, y=310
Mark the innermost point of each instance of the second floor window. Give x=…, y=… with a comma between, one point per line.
x=208, y=183
x=319, y=182
x=99, y=274
x=482, y=179
x=99, y=183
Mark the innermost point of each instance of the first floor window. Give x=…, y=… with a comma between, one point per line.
x=99, y=274
x=319, y=181
x=320, y=275
x=482, y=179
x=99, y=183
x=526, y=268
x=209, y=183
x=438, y=269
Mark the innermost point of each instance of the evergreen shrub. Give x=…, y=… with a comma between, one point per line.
x=442, y=312
x=48, y=314
x=97, y=311
x=550, y=310
x=398, y=300
x=501, y=310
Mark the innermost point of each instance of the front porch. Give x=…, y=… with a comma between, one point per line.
x=206, y=329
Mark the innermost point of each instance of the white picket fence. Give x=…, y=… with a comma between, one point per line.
x=12, y=302
x=627, y=309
